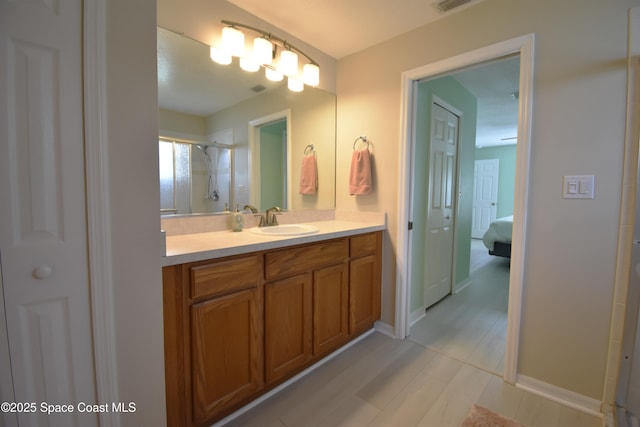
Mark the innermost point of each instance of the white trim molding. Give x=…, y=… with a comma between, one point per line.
x=560, y=395
x=524, y=46
x=384, y=328
x=99, y=221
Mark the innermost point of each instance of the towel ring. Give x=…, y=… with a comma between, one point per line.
x=308, y=149
x=363, y=138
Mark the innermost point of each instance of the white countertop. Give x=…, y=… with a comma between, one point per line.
x=201, y=246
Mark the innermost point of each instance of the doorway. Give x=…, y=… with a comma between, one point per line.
x=522, y=46
x=469, y=322
x=485, y=196
x=273, y=160
x=270, y=161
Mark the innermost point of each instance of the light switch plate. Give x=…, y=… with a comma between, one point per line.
x=578, y=187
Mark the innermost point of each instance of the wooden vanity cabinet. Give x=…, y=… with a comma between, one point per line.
x=287, y=326
x=364, y=281
x=305, y=305
x=330, y=308
x=236, y=327
x=213, y=337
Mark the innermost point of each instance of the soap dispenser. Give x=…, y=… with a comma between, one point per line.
x=237, y=220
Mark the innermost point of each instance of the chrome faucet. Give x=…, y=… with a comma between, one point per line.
x=270, y=217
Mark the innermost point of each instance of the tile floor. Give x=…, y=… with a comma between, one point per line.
x=431, y=379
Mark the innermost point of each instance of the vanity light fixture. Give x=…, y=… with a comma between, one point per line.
x=278, y=57
x=273, y=74
x=219, y=56
x=233, y=41
x=294, y=84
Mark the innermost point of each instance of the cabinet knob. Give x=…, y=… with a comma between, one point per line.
x=42, y=272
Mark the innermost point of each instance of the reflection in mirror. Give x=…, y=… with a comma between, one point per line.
x=194, y=178
x=197, y=104
x=273, y=161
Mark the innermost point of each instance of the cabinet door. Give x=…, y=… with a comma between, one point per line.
x=227, y=353
x=330, y=308
x=364, y=293
x=287, y=326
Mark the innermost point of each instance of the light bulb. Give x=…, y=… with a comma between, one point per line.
x=247, y=63
x=288, y=63
x=311, y=74
x=219, y=56
x=295, y=85
x=273, y=74
x=262, y=51
x=233, y=41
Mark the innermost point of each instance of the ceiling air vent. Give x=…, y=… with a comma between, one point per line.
x=447, y=5
x=258, y=88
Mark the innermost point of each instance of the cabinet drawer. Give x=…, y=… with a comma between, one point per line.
x=225, y=276
x=298, y=260
x=363, y=245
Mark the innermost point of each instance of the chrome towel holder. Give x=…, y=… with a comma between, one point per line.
x=361, y=138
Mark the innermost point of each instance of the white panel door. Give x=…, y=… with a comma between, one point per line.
x=441, y=200
x=43, y=237
x=485, y=196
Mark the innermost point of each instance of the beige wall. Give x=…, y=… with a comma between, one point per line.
x=578, y=128
x=132, y=128
x=174, y=124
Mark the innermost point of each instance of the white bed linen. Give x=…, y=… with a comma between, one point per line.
x=499, y=231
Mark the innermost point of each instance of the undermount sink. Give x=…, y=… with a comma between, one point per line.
x=285, y=230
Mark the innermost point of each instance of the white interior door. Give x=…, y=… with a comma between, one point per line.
x=43, y=237
x=441, y=200
x=485, y=196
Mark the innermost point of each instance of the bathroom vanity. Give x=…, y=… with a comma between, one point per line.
x=240, y=320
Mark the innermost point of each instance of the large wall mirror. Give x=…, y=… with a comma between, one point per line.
x=211, y=121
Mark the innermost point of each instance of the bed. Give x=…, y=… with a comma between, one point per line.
x=497, y=238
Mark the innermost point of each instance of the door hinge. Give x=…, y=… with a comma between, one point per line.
x=410, y=225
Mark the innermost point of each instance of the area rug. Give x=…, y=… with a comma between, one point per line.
x=483, y=417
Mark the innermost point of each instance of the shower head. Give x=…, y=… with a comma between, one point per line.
x=203, y=150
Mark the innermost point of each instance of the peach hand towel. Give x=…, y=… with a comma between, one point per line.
x=360, y=175
x=309, y=175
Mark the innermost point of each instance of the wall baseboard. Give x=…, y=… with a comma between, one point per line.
x=385, y=329
x=460, y=286
x=416, y=315
x=560, y=395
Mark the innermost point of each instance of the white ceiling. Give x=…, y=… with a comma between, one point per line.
x=340, y=27
x=495, y=85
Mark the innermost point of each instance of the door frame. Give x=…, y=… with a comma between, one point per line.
x=524, y=46
x=94, y=40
